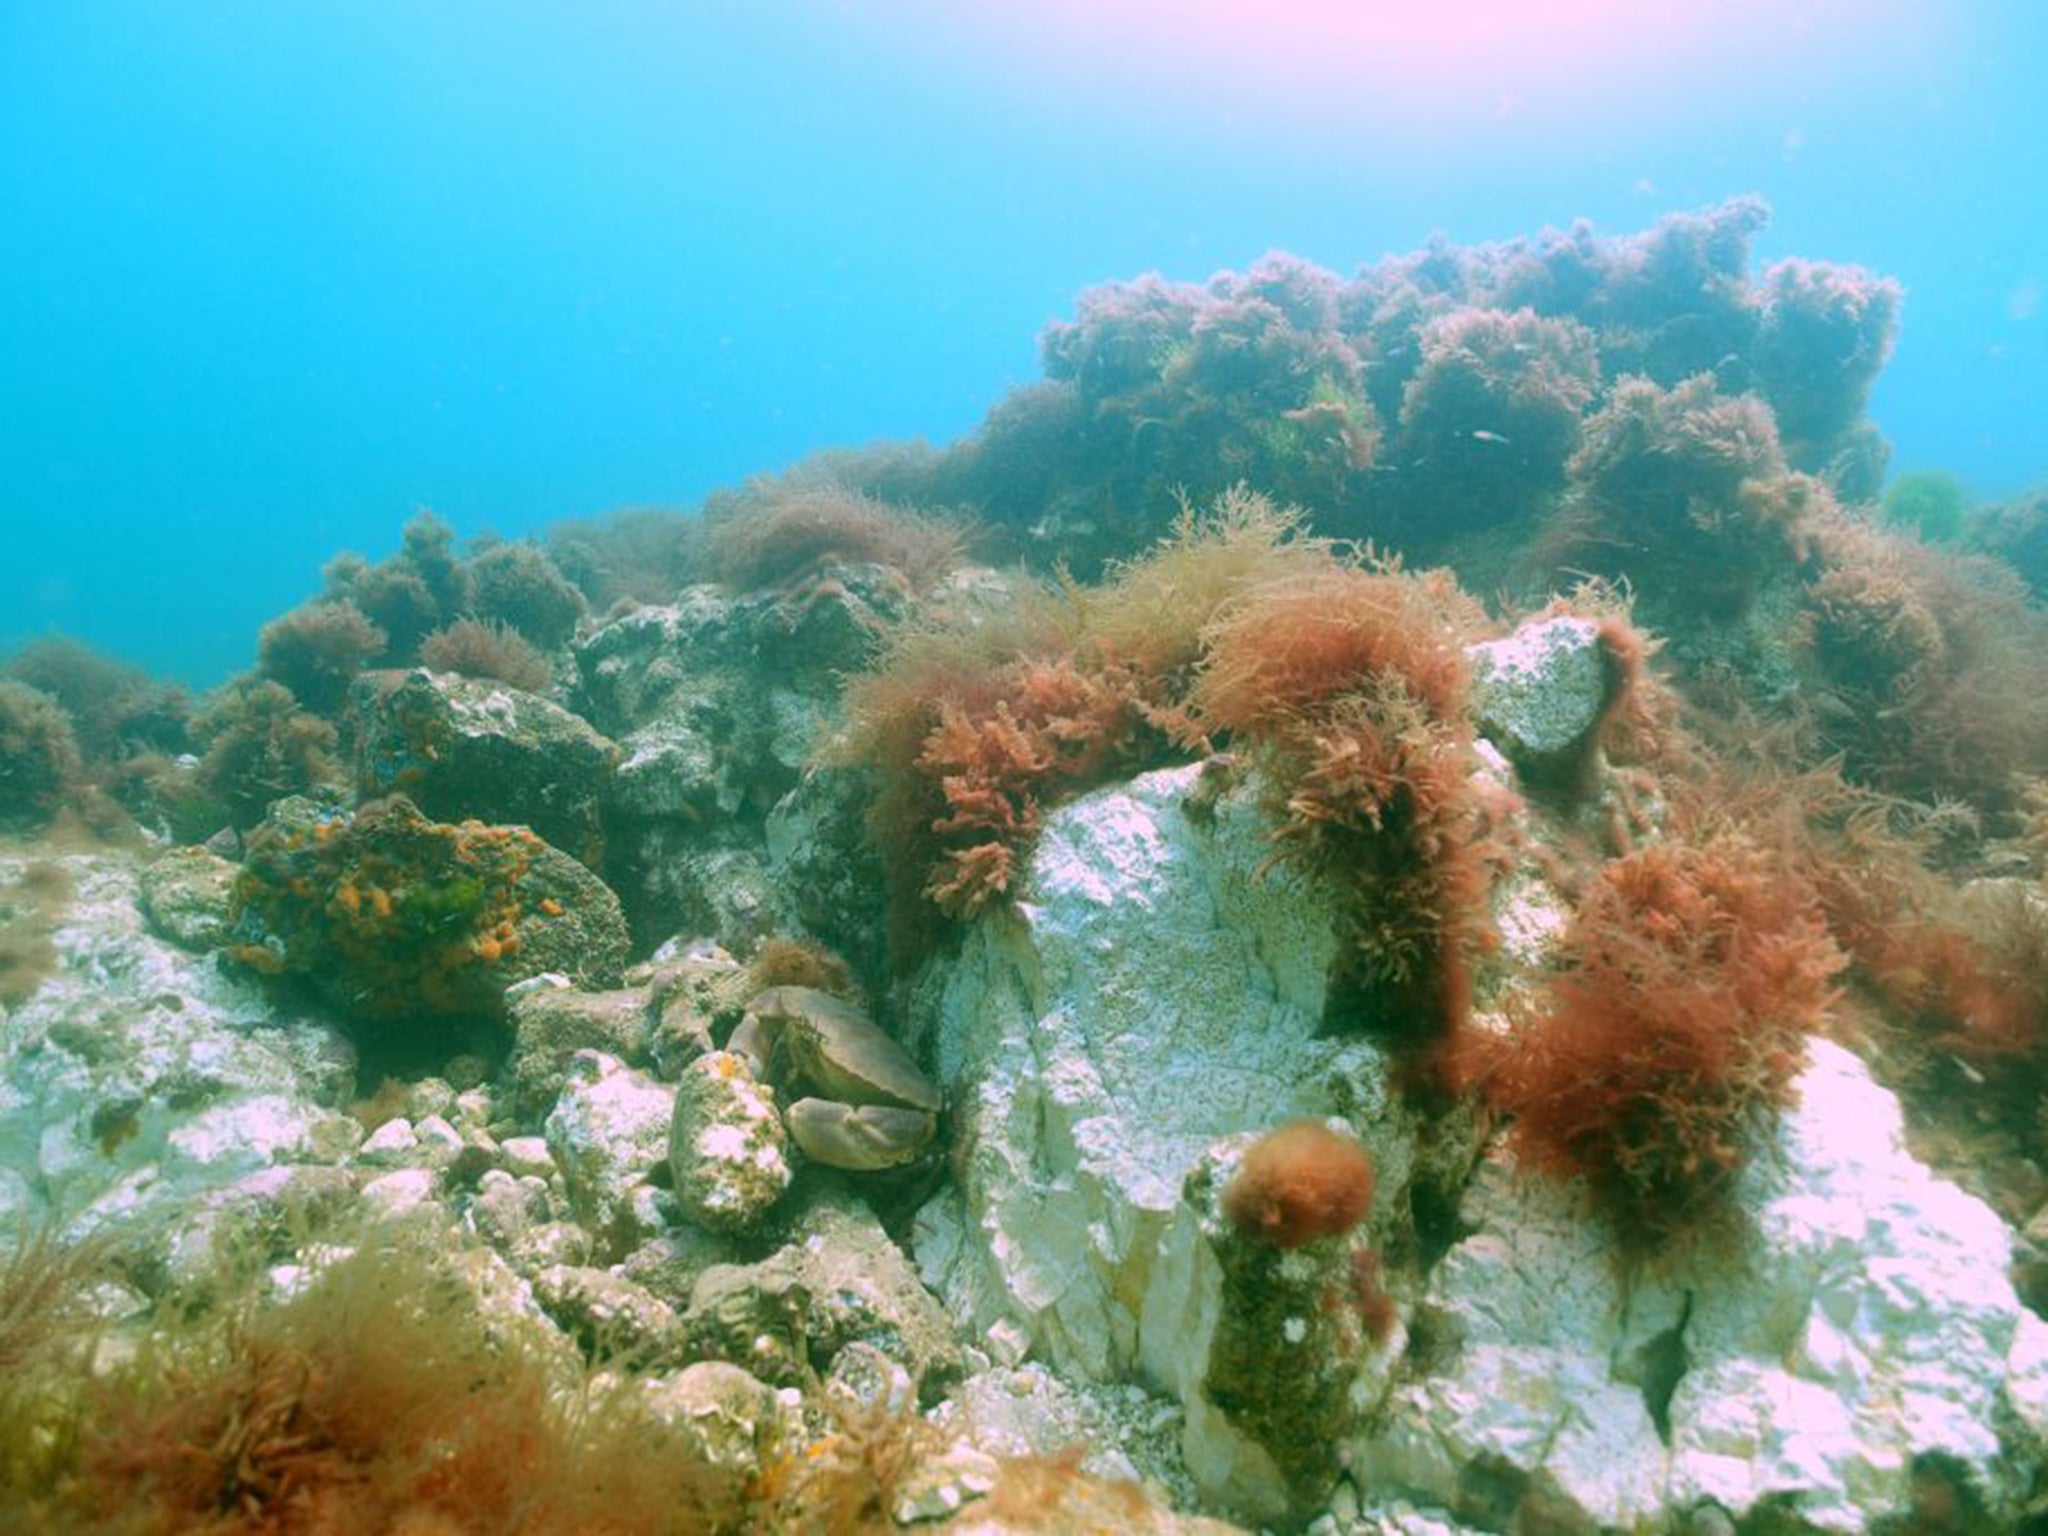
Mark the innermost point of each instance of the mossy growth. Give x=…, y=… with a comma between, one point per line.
x=489, y=649
x=259, y=746
x=1930, y=503
x=32, y=903
x=40, y=769
x=379, y=1394
x=417, y=916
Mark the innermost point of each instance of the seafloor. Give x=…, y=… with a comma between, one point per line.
x=1396, y=904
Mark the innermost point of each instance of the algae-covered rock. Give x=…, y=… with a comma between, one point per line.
x=188, y=897
x=608, y=1314
x=728, y=1155
x=465, y=747
x=550, y=1024
x=392, y=915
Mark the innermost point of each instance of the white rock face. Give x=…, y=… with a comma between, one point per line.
x=138, y=1077
x=1857, y=1313
x=1147, y=998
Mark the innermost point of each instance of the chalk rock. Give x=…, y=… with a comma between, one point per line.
x=1854, y=1313
x=137, y=1076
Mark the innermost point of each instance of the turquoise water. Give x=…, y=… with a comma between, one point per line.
x=272, y=275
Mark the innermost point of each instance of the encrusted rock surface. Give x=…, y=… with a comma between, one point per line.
x=728, y=1154
x=552, y=1021
x=188, y=896
x=464, y=747
x=609, y=1131
x=1538, y=693
x=139, y=1077
x=837, y=1281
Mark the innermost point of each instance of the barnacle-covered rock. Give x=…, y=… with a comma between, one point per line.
x=609, y=1131
x=839, y=1279
x=727, y=1151
x=393, y=915
x=733, y=1421
x=463, y=747
x=1539, y=694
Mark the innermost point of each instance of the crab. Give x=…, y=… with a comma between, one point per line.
x=868, y=1106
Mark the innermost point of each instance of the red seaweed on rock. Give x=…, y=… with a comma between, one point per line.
x=1692, y=975
x=1300, y=1183
x=1353, y=683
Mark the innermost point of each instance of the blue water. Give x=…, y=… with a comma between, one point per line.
x=272, y=275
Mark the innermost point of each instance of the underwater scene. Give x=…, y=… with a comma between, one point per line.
x=1069, y=768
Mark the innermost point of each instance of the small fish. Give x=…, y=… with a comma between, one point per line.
x=1484, y=436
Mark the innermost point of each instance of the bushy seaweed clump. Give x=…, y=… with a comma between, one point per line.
x=1930, y=504
x=1434, y=394
x=1824, y=334
x=117, y=711
x=40, y=768
x=429, y=585
x=486, y=649
x=1685, y=493
x=1691, y=977
x=257, y=746
x=1925, y=666
x=519, y=586
x=316, y=650
x=1299, y=1183
x=32, y=904
x=637, y=556
x=781, y=533
x=2016, y=532
x=414, y=592
x=375, y=1396
x=1489, y=419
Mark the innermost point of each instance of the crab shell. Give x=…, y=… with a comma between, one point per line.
x=870, y=1106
